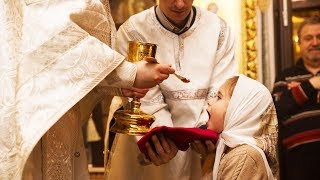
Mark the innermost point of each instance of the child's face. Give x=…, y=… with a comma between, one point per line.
x=217, y=108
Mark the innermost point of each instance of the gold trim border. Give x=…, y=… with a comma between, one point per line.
x=249, y=57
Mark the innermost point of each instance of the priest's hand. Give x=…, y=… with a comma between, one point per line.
x=162, y=149
x=151, y=74
x=204, y=148
x=130, y=92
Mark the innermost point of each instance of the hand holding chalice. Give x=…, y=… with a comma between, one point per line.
x=133, y=121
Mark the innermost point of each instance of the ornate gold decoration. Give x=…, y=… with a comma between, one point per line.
x=249, y=61
x=133, y=121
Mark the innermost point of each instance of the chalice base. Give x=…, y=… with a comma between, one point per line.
x=132, y=122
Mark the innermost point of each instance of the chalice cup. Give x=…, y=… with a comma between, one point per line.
x=134, y=121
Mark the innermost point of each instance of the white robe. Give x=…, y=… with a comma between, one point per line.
x=206, y=55
x=48, y=64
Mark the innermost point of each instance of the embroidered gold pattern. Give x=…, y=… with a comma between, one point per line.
x=156, y=100
x=249, y=35
x=267, y=137
x=186, y=94
x=222, y=34
x=52, y=49
x=58, y=145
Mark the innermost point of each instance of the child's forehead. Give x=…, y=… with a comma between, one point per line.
x=225, y=91
x=224, y=85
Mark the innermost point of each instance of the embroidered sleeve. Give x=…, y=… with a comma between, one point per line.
x=123, y=76
x=126, y=72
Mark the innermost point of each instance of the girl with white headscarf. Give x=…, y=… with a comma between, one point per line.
x=243, y=114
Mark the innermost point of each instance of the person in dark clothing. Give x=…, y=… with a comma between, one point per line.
x=296, y=96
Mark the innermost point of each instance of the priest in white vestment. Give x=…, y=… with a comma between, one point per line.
x=53, y=53
x=202, y=50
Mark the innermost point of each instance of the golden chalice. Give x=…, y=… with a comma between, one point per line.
x=133, y=121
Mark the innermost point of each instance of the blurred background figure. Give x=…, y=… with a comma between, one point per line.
x=297, y=98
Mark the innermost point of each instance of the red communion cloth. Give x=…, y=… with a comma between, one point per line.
x=180, y=136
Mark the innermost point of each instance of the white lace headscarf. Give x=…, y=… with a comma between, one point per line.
x=250, y=119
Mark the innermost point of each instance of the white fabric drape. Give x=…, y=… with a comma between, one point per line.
x=48, y=63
